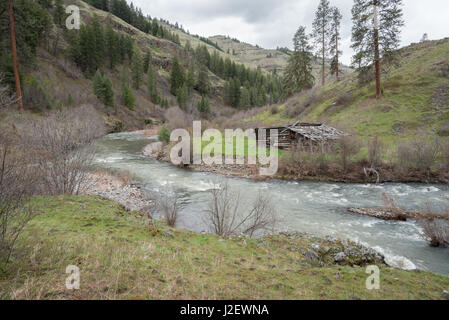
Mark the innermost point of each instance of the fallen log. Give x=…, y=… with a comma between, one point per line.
x=382, y=214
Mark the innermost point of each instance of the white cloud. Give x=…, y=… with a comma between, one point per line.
x=272, y=23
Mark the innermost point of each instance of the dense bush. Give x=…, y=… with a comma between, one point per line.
x=164, y=135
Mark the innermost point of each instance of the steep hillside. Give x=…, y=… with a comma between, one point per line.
x=254, y=56
x=415, y=97
x=60, y=76
x=271, y=60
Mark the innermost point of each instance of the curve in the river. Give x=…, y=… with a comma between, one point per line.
x=316, y=208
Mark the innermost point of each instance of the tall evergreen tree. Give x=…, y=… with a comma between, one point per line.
x=128, y=98
x=375, y=34
x=183, y=96
x=320, y=32
x=203, y=83
x=59, y=13
x=204, y=105
x=112, y=46
x=137, y=69
x=245, y=99
x=177, y=76
x=147, y=61
x=151, y=83
x=335, y=42
x=298, y=74
x=191, y=78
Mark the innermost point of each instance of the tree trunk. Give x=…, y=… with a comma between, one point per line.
x=336, y=54
x=14, y=56
x=376, y=51
x=324, y=58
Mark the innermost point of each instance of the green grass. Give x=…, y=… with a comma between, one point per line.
x=121, y=257
x=209, y=145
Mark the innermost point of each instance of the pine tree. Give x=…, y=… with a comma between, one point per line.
x=108, y=92
x=151, y=83
x=183, y=96
x=203, y=83
x=128, y=98
x=147, y=61
x=320, y=32
x=59, y=13
x=191, y=79
x=298, y=74
x=204, y=105
x=137, y=69
x=177, y=76
x=375, y=34
x=112, y=46
x=98, y=50
x=98, y=85
x=334, y=42
x=103, y=89
x=245, y=99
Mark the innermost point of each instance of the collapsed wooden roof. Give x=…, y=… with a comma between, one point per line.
x=317, y=132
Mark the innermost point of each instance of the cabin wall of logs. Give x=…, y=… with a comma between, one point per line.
x=308, y=134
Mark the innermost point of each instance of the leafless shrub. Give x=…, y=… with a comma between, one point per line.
x=445, y=156
x=421, y=153
x=392, y=208
x=306, y=159
x=274, y=110
x=16, y=181
x=227, y=218
x=301, y=103
x=177, y=119
x=345, y=99
x=436, y=231
x=61, y=147
x=347, y=147
x=6, y=98
x=434, y=221
x=375, y=149
x=168, y=204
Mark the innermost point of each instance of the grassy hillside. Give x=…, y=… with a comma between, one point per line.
x=415, y=97
x=121, y=257
x=254, y=56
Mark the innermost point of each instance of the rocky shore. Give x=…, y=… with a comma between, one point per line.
x=110, y=187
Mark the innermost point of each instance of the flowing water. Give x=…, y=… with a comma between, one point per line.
x=313, y=207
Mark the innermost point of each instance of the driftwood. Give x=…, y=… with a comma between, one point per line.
x=383, y=214
x=371, y=171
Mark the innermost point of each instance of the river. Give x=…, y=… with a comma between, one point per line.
x=314, y=207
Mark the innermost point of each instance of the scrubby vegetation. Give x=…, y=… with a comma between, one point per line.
x=121, y=257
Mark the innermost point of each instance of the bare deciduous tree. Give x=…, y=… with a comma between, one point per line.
x=226, y=216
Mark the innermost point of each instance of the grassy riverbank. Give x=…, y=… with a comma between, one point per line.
x=120, y=256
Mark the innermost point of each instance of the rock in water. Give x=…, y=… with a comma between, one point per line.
x=153, y=149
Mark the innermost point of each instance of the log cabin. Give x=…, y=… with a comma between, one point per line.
x=305, y=133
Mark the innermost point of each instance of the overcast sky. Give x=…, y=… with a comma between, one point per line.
x=272, y=23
